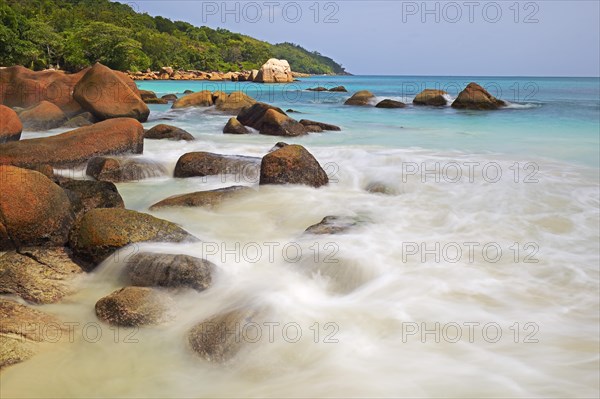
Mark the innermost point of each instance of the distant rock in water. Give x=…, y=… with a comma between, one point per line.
x=340, y=89
x=168, y=132
x=195, y=164
x=148, y=269
x=431, y=97
x=361, y=98
x=117, y=170
x=275, y=71
x=234, y=126
x=110, y=94
x=387, y=103
x=208, y=198
x=320, y=88
x=169, y=97
x=42, y=116
x=136, y=306
x=323, y=126
x=292, y=164
x=10, y=125
x=477, y=98
x=149, y=97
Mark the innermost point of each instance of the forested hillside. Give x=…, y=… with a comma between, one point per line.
x=73, y=34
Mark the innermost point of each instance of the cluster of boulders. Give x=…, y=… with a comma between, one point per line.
x=473, y=97
x=52, y=99
x=273, y=71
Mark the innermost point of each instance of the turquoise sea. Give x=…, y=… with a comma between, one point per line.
x=476, y=275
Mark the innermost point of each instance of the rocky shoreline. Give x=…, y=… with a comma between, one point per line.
x=54, y=229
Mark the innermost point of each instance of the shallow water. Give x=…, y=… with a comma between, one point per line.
x=505, y=264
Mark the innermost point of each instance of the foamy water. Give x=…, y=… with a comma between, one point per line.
x=462, y=283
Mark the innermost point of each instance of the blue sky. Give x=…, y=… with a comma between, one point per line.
x=500, y=38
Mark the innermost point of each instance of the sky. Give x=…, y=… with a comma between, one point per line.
x=448, y=38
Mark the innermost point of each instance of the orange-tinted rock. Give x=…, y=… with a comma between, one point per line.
x=292, y=164
x=362, y=98
x=253, y=116
x=201, y=99
x=476, y=97
x=162, y=131
x=22, y=87
x=34, y=211
x=42, y=116
x=195, y=164
x=115, y=136
x=109, y=94
x=234, y=102
x=234, y=126
x=10, y=125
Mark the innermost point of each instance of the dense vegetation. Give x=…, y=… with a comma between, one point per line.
x=73, y=34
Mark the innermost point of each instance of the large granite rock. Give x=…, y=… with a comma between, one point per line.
x=292, y=164
x=111, y=137
x=102, y=231
x=34, y=211
x=110, y=94
x=86, y=195
x=323, y=126
x=387, y=103
x=477, y=98
x=275, y=123
x=254, y=116
x=234, y=126
x=234, y=102
x=275, y=71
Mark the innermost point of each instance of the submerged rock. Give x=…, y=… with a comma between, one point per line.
x=292, y=164
x=148, y=269
x=42, y=116
x=334, y=225
x=362, y=98
x=319, y=88
x=102, y=231
x=10, y=125
x=431, y=97
x=136, y=306
x=115, y=136
x=387, y=103
x=34, y=210
x=202, y=198
x=38, y=275
x=110, y=94
x=476, y=97
x=123, y=169
x=234, y=126
x=168, y=132
x=219, y=338
x=380, y=188
x=195, y=164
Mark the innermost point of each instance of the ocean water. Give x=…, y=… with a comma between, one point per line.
x=476, y=276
